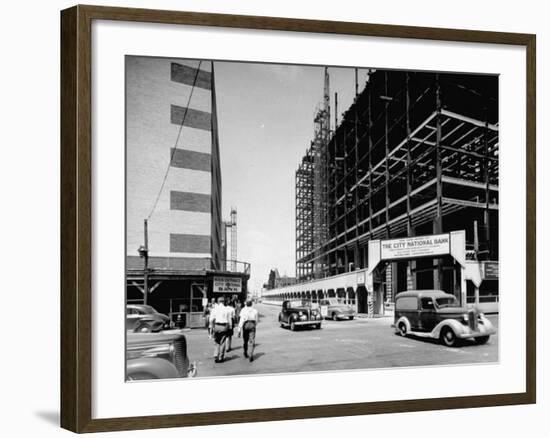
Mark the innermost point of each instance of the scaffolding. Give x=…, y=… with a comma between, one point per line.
x=229, y=244
x=311, y=195
x=412, y=155
x=233, y=239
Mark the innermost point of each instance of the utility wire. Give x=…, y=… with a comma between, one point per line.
x=176, y=143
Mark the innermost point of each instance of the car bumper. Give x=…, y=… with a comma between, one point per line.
x=307, y=322
x=483, y=330
x=345, y=316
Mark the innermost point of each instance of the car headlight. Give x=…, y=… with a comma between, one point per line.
x=465, y=318
x=300, y=313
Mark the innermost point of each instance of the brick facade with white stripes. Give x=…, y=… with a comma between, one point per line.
x=184, y=228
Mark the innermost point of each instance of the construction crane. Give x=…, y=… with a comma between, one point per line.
x=233, y=239
x=231, y=245
x=320, y=144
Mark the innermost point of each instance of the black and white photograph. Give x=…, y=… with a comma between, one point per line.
x=275, y=219
x=306, y=218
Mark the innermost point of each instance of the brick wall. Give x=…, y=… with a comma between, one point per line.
x=157, y=94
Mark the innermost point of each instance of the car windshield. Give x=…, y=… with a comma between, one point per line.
x=148, y=309
x=447, y=302
x=333, y=301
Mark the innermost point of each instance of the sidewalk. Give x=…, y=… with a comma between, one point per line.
x=386, y=316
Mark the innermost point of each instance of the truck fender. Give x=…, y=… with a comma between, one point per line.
x=157, y=367
x=455, y=325
x=405, y=320
x=487, y=324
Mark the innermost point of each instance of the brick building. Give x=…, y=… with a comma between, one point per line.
x=173, y=180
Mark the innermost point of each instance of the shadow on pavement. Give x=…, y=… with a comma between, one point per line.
x=460, y=343
x=257, y=355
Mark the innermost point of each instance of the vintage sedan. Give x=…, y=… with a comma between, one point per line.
x=331, y=308
x=144, y=319
x=157, y=356
x=299, y=313
x=436, y=314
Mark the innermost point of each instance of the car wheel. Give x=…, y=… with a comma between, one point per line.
x=144, y=328
x=402, y=327
x=480, y=340
x=141, y=376
x=292, y=326
x=318, y=326
x=448, y=337
x=351, y=318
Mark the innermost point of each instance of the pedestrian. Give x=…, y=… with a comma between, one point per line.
x=230, y=333
x=247, y=324
x=220, y=323
x=207, y=310
x=238, y=308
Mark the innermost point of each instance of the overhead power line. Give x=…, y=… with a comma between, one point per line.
x=176, y=143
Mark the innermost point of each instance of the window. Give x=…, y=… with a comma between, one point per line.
x=427, y=303
x=406, y=303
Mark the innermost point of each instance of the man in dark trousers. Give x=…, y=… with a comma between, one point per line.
x=247, y=324
x=221, y=323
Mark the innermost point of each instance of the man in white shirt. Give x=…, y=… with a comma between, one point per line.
x=247, y=323
x=221, y=323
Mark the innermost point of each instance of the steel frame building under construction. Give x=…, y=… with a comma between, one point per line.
x=416, y=153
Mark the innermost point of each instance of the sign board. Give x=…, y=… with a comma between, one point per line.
x=490, y=270
x=412, y=247
x=361, y=278
x=227, y=284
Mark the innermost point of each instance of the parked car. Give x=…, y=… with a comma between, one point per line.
x=299, y=313
x=157, y=356
x=143, y=319
x=331, y=308
x=436, y=314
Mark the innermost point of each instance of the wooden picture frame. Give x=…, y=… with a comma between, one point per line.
x=76, y=217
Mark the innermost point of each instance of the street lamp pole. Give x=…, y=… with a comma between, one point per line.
x=144, y=252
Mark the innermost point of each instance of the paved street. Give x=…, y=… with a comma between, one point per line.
x=339, y=345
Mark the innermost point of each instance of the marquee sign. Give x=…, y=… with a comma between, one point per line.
x=227, y=284
x=412, y=247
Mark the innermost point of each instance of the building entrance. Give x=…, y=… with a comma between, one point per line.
x=422, y=262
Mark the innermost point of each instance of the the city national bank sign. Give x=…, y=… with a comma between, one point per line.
x=412, y=247
x=434, y=245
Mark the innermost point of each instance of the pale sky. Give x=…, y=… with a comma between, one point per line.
x=265, y=122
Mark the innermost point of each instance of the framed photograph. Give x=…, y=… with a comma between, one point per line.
x=310, y=218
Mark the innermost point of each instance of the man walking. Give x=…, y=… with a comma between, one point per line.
x=231, y=309
x=247, y=323
x=220, y=323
